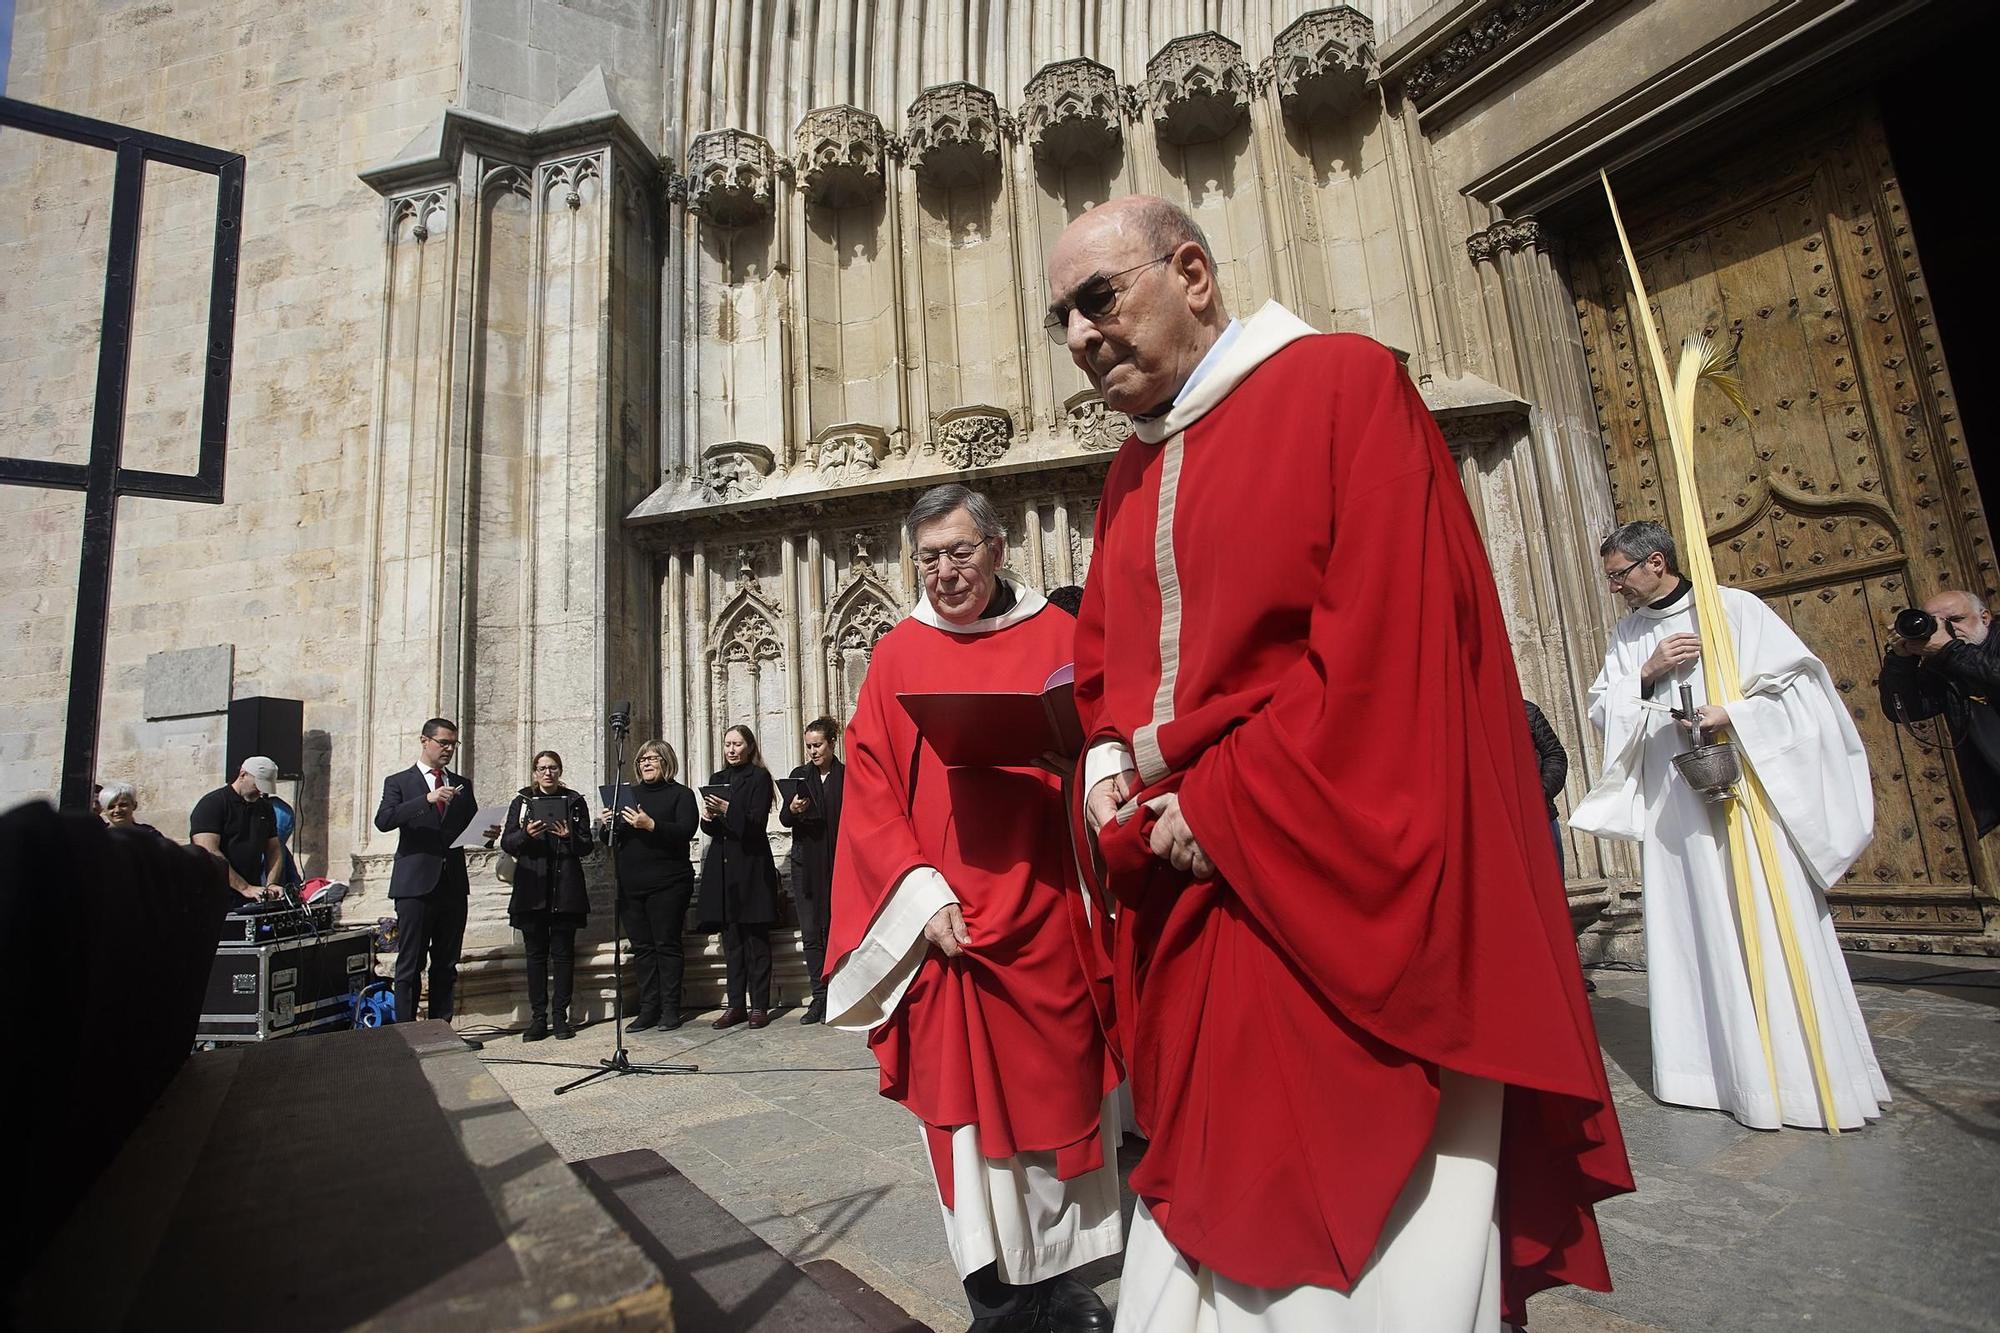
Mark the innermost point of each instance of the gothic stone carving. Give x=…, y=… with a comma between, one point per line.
x=1492, y=31
x=734, y=468
x=850, y=448
x=730, y=176
x=954, y=135
x=1324, y=62
x=425, y=215
x=1198, y=88
x=1093, y=425
x=1072, y=112
x=1509, y=234
x=969, y=437
x=838, y=153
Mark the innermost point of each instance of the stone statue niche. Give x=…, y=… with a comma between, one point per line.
x=732, y=184
x=1073, y=121
x=972, y=327
x=850, y=314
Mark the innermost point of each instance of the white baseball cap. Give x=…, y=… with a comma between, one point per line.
x=265, y=771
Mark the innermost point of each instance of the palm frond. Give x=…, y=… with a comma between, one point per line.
x=1715, y=365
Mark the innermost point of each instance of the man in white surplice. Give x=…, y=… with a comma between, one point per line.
x=1795, y=733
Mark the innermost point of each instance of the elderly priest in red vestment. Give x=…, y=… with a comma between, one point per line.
x=959, y=941
x=1347, y=995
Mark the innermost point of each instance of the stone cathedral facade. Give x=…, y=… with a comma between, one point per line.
x=592, y=350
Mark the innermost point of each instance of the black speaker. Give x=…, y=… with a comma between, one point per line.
x=274, y=728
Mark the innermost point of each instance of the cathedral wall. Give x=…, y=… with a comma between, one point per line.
x=310, y=94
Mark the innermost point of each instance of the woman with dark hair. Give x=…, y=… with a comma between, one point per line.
x=550, y=901
x=656, y=822
x=739, y=878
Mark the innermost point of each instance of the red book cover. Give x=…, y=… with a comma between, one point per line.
x=1004, y=730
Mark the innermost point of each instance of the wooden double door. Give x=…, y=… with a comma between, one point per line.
x=1845, y=493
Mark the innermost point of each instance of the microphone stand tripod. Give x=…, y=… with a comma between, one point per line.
x=620, y=1063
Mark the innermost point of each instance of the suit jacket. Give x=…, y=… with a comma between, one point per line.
x=424, y=849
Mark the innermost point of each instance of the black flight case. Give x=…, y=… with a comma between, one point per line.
x=286, y=987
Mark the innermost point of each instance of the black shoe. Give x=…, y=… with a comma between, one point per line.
x=537, y=1030
x=642, y=1022
x=1068, y=1306
x=1022, y=1321
x=1589, y=986
x=473, y=1043
x=815, y=1012
x=670, y=1019
x=563, y=1031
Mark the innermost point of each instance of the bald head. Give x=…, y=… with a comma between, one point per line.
x=1963, y=614
x=1133, y=284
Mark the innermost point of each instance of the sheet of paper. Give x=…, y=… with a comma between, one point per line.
x=486, y=817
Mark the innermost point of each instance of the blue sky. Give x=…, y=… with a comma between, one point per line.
x=6, y=39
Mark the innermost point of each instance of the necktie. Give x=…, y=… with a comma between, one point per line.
x=437, y=778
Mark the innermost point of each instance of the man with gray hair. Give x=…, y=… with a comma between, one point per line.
x=1800, y=742
x=959, y=942
x=1347, y=994
x=1953, y=673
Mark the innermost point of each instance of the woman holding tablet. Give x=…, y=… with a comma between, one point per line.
x=657, y=818
x=548, y=834
x=739, y=878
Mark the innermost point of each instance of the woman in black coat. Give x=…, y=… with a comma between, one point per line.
x=739, y=878
x=550, y=899
x=656, y=818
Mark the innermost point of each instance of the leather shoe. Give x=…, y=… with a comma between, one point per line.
x=815, y=1012
x=537, y=1030
x=670, y=1020
x=642, y=1022
x=729, y=1018
x=1068, y=1306
x=1022, y=1321
x=758, y=1018
x=563, y=1031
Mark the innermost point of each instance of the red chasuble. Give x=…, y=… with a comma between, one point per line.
x=1007, y=1036
x=1327, y=683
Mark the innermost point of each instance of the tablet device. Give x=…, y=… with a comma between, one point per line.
x=548, y=809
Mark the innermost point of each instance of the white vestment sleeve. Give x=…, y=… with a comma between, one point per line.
x=1615, y=806
x=1801, y=742
x=1106, y=759
x=872, y=979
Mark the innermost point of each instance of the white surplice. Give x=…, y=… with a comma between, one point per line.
x=1795, y=733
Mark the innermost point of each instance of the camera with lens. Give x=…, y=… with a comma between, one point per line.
x=1916, y=625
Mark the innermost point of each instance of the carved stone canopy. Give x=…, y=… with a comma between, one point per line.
x=1324, y=62
x=954, y=135
x=1071, y=112
x=969, y=437
x=730, y=175
x=1197, y=88
x=851, y=447
x=838, y=153
x=1093, y=425
x=735, y=468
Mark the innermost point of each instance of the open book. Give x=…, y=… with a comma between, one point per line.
x=1002, y=730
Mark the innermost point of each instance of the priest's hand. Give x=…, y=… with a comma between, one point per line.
x=1173, y=841
x=1711, y=717
x=1673, y=652
x=1100, y=807
x=946, y=929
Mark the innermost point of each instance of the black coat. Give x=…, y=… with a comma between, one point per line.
x=1550, y=757
x=1961, y=683
x=739, y=877
x=424, y=836
x=657, y=858
x=816, y=833
x=548, y=871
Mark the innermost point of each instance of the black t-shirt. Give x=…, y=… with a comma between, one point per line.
x=245, y=827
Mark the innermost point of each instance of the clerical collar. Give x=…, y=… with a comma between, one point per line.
x=1003, y=600
x=1215, y=353
x=1680, y=591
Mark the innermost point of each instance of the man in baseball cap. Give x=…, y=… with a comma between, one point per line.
x=236, y=822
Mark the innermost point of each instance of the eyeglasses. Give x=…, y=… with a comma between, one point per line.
x=548, y=768
x=958, y=555
x=1096, y=299
x=1617, y=579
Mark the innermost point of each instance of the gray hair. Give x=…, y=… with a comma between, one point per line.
x=1640, y=540
x=112, y=791
x=1168, y=227
x=940, y=501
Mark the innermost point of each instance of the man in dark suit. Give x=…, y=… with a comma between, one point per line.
x=813, y=816
x=430, y=806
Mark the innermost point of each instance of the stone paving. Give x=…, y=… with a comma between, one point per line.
x=1896, y=1227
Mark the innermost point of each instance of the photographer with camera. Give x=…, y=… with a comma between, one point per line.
x=1944, y=662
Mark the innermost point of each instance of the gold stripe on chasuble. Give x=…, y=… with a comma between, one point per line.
x=1146, y=742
